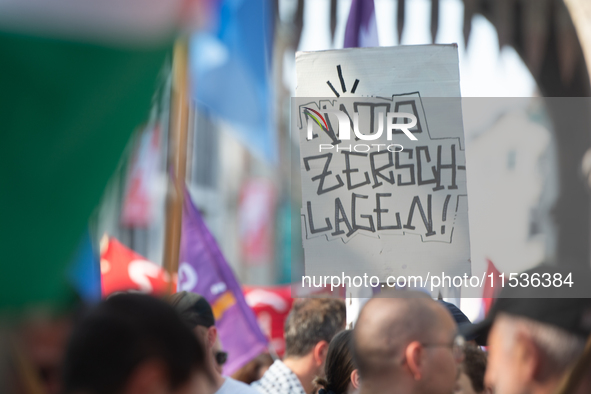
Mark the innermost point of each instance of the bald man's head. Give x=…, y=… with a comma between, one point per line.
x=387, y=325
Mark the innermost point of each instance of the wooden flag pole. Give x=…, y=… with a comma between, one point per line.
x=178, y=131
x=28, y=376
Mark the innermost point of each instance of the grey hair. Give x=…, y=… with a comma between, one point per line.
x=560, y=347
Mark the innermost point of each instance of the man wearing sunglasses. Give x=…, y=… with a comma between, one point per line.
x=197, y=313
x=405, y=342
x=219, y=355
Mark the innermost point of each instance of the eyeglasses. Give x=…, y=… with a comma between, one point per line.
x=221, y=358
x=457, y=346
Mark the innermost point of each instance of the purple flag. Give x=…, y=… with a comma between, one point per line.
x=204, y=270
x=361, y=30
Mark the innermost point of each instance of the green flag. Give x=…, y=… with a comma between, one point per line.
x=67, y=110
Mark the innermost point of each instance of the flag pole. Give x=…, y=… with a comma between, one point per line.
x=177, y=137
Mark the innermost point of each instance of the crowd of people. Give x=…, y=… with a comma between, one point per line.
x=402, y=342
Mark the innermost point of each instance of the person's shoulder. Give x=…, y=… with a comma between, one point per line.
x=233, y=386
x=263, y=384
x=278, y=379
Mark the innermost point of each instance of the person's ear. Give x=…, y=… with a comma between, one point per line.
x=414, y=354
x=212, y=334
x=320, y=352
x=355, y=379
x=529, y=358
x=149, y=377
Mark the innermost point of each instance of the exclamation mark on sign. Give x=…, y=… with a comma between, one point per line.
x=444, y=215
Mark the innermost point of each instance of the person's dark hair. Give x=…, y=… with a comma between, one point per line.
x=310, y=321
x=193, y=309
x=254, y=369
x=339, y=364
x=474, y=365
x=120, y=333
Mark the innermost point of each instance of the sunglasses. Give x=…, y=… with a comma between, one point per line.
x=221, y=358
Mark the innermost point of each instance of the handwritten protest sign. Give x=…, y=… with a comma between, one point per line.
x=382, y=162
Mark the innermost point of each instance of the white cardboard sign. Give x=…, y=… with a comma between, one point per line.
x=382, y=204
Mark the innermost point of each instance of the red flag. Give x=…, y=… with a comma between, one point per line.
x=492, y=286
x=271, y=306
x=122, y=269
x=139, y=200
x=256, y=211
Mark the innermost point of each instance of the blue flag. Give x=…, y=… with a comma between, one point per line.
x=230, y=73
x=84, y=273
